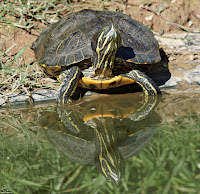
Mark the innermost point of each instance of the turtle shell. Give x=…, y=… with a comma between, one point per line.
x=69, y=40
x=72, y=129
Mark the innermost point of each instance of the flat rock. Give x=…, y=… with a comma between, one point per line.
x=181, y=41
x=193, y=77
x=41, y=95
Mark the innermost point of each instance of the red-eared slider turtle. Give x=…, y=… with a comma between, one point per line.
x=102, y=131
x=97, y=50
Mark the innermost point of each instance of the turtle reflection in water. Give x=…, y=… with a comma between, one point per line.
x=103, y=131
x=97, y=50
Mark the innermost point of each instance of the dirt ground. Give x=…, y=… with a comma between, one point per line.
x=163, y=17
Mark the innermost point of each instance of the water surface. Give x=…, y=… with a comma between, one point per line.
x=103, y=143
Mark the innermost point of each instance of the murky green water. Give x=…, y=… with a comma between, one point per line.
x=140, y=145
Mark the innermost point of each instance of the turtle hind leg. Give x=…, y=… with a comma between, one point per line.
x=69, y=79
x=148, y=85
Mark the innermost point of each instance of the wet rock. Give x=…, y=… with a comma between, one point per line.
x=37, y=96
x=174, y=81
x=184, y=90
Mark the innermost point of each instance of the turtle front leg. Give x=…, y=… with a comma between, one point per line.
x=148, y=85
x=69, y=79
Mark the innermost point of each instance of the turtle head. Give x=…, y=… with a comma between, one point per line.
x=105, y=44
x=108, y=159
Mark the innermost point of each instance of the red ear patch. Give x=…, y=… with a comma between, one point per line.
x=94, y=36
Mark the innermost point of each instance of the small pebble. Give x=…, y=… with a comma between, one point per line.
x=190, y=23
x=193, y=57
x=149, y=18
x=172, y=58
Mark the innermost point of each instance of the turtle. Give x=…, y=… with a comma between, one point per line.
x=102, y=131
x=97, y=50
